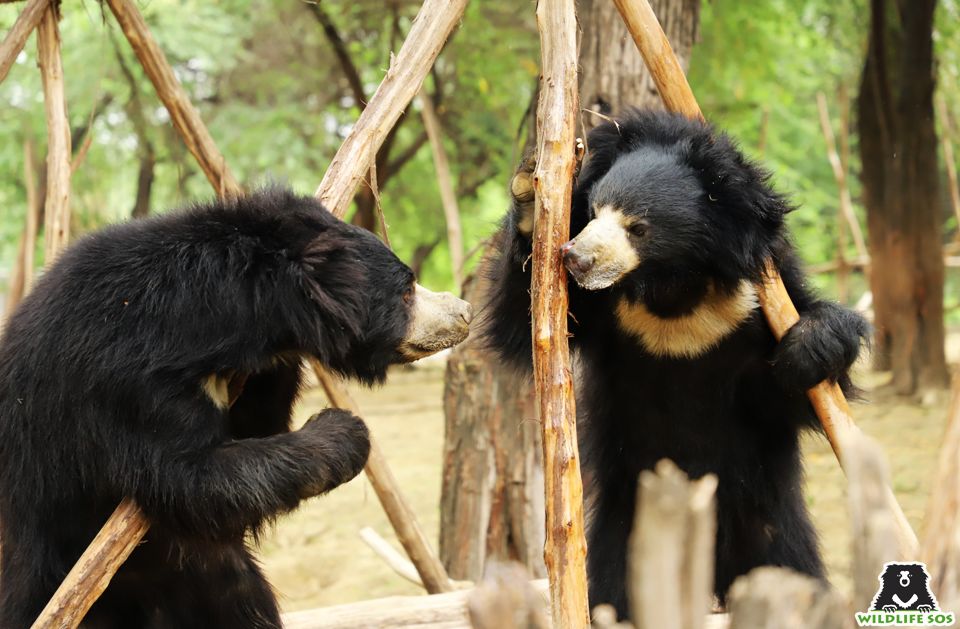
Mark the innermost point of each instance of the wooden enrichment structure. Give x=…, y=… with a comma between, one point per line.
x=687, y=552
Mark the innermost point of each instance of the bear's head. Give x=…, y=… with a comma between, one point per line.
x=669, y=196
x=364, y=309
x=676, y=219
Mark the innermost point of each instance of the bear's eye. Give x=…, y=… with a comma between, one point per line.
x=638, y=228
x=408, y=295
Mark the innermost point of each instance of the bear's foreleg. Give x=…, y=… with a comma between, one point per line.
x=823, y=345
x=219, y=492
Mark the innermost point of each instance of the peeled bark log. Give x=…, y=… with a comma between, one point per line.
x=431, y=28
x=57, y=204
x=17, y=36
x=557, y=113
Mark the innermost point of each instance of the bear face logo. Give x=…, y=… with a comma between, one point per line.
x=904, y=587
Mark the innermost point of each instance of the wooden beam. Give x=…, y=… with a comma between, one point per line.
x=557, y=112
x=430, y=30
x=16, y=38
x=57, y=203
x=182, y=112
x=827, y=399
x=442, y=611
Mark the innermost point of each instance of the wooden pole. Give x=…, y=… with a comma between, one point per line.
x=428, y=33
x=827, y=399
x=448, y=197
x=16, y=38
x=182, y=112
x=57, y=204
x=566, y=549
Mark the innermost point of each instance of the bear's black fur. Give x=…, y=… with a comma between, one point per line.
x=702, y=221
x=113, y=383
x=904, y=587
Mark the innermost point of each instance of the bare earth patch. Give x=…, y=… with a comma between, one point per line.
x=314, y=557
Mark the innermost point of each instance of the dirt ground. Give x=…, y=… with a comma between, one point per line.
x=315, y=557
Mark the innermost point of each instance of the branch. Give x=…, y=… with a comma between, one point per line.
x=16, y=39
x=827, y=399
x=57, y=202
x=182, y=113
x=396, y=164
x=565, y=549
x=145, y=149
x=431, y=28
x=448, y=198
x=343, y=55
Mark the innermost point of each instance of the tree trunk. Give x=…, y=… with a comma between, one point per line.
x=492, y=499
x=898, y=148
x=612, y=73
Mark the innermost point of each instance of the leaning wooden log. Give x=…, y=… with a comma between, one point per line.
x=778, y=598
x=671, y=552
x=827, y=399
x=441, y=611
x=17, y=36
x=57, y=203
x=91, y=575
x=182, y=112
x=382, y=548
x=428, y=33
x=941, y=535
x=557, y=113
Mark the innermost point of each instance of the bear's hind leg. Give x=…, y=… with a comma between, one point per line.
x=222, y=589
x=609, y=531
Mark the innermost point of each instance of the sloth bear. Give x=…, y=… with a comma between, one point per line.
x=115, y=380
x=904, y=587
x=671, y=228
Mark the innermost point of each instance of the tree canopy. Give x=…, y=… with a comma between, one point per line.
x=278, y=99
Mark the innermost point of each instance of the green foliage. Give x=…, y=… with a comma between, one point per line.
x=266, y=81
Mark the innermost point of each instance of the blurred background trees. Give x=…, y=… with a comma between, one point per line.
x=280, y=83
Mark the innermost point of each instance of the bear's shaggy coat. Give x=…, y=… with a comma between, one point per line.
x=676, y=359
x=113, y=383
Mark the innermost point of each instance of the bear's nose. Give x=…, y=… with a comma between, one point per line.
x=576, y=263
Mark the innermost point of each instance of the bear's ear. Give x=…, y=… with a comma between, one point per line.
x=333, y=276
x=740, y=198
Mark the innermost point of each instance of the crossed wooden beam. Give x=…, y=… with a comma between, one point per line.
x=565, y=548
